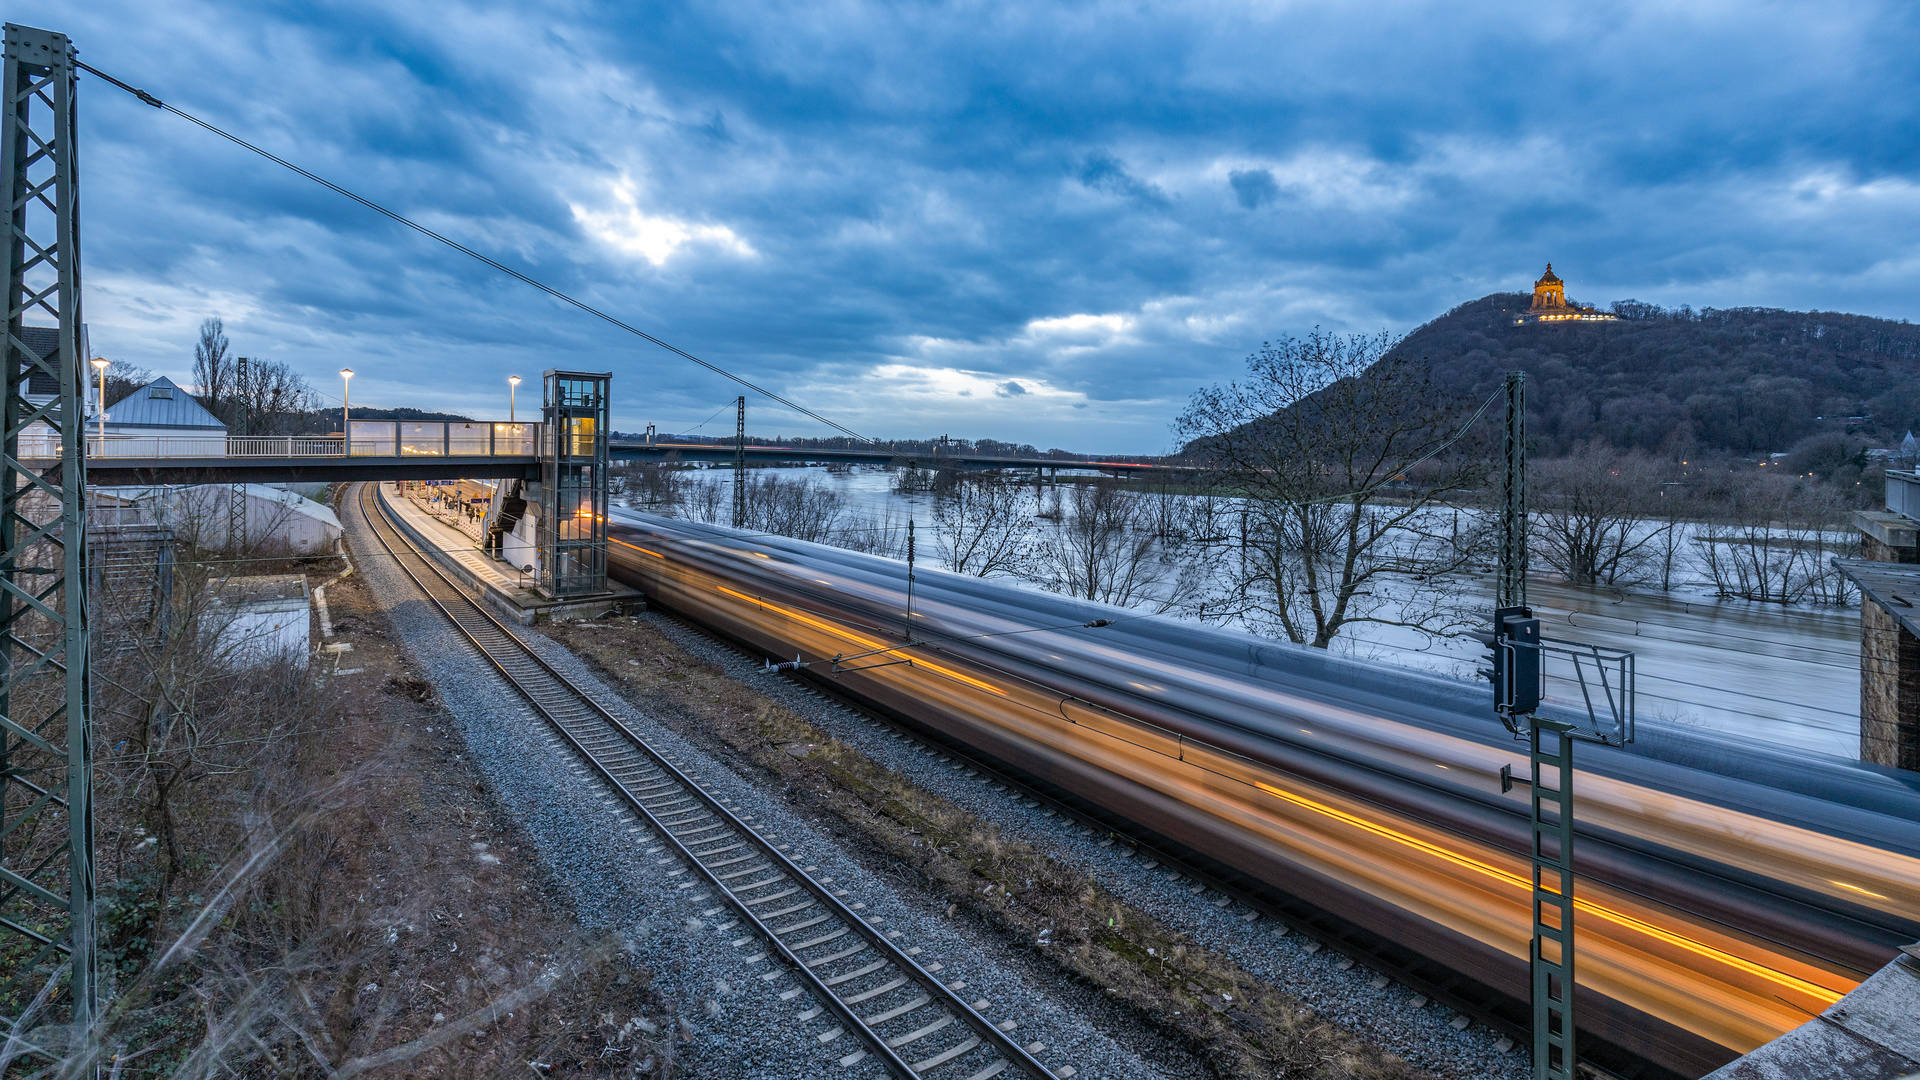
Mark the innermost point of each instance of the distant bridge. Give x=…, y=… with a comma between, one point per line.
x=399, y=450
x=721, y=453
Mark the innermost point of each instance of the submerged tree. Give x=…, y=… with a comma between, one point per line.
x=1341, y=451
x=1595, y=516
x=982, y=525
x=1103, y=549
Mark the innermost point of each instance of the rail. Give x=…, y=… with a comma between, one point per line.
x=851, y=968
x=370, y=438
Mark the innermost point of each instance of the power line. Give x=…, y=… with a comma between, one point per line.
x=463, y=249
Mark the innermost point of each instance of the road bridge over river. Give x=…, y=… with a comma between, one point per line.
x=722, y=453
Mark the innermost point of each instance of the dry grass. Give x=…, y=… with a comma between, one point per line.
x=1239, y=1025
x=302, y=877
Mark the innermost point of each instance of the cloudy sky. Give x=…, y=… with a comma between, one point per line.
x=1041, y=222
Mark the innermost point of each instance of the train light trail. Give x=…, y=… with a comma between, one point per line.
x=1790, y=982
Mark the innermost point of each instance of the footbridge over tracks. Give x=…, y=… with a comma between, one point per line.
x=378, y=450
x=560, y=462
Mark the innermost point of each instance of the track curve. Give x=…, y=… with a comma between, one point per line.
x=910, y=1022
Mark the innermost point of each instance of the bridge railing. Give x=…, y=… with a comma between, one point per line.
x=370, y=438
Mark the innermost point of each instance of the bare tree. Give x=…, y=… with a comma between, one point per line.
x=982, y=526
x=1672, y=508
x=798, y=508
x=1341, y=450
x=212, y=367
x=880, y=533
x=705, y=500
x=1103, y=550
x=123, y=379
x=268, y=398
x=1774, y=540
x=649, y=484
x=1592, y=509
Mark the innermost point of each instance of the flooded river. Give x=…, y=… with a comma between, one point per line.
x=1784, y=676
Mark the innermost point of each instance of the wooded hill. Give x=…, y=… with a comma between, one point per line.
x=1744, y=381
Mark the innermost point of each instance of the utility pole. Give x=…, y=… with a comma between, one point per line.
x=46, y=758
x=740, y=462
x=237, y=493
x=909, y=634
x=1513, y=493
x=1517, y=675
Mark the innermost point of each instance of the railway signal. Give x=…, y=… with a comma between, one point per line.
x=1516, y=673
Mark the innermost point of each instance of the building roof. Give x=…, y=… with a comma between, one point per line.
x=1548, y=278
x=1893, y=586
x=45, y=340
x=161, y=404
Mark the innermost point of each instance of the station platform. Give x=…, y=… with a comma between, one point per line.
x=507, y=592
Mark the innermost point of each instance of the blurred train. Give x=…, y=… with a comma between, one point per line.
x=1725, y=895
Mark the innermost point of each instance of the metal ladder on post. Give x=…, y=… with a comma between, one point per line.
x=1551, y=827
x=1518, y=671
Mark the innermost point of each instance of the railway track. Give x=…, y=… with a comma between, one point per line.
x=852, y=977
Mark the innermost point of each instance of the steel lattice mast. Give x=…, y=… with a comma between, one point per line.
x=46, y=777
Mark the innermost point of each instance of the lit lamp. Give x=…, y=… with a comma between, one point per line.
x=100, y=365
x=513, y=388
x=346, y=411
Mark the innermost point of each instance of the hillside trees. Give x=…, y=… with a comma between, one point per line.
x=1342, y=449
x=1681, y=383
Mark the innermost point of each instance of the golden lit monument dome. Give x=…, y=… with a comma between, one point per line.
x=1550, y=304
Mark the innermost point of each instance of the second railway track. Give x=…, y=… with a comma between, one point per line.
x=905, y=1020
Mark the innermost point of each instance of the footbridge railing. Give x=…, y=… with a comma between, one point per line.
x=370, y=438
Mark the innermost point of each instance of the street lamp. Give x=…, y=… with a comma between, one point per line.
x=100, y=365
x=346, y=411
x=513, y=387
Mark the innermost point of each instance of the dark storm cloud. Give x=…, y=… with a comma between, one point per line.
x=892, y=212
x=1253, y=187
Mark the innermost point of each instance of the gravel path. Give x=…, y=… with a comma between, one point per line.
x=1387, y=1016
x=598, y=855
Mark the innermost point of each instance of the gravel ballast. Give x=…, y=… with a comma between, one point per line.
x=1392, y=1017
x=733, y=1020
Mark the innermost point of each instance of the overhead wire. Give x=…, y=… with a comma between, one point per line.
x=402, y=219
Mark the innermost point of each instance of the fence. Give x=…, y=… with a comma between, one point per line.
x=371, y=438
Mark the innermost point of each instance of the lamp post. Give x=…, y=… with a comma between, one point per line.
x=513, y=388
x=100, y=366
x=346, y=412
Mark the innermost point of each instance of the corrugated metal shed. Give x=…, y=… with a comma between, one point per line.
x=161, y=404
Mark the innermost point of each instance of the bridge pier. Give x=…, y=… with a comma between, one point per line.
x=1889, y=582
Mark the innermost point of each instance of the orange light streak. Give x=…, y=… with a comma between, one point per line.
x=1791, y=982
x=864, y=642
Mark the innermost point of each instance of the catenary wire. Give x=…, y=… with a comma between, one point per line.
x=463, y=249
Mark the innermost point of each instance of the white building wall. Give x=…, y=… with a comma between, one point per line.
x=521, y=546
x=273, y=516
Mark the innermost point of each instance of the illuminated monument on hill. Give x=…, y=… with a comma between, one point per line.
x=1550, y=304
